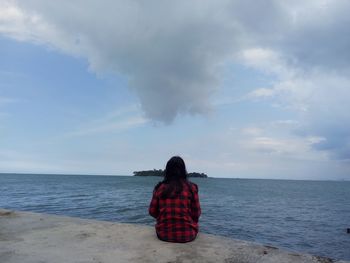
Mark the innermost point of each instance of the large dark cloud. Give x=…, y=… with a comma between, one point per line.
x=169, y=51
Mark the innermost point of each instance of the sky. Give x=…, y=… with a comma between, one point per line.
x=241, y=89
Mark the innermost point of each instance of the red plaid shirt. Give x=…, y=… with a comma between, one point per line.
x=177, y=215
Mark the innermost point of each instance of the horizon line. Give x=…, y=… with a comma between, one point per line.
x=209, y=177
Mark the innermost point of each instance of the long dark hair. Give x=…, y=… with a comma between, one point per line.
x=174, y=175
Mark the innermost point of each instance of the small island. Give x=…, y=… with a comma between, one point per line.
x=160, y=172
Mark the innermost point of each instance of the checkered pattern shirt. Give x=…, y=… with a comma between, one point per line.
x=177, y=215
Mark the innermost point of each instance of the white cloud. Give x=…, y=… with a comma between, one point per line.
x=120, y=120
x=266, y=60
x=13, y=161
x=111, y=127
x=285, y=123
x=321, y=100
x=6, y=100
x=261, y=93
x=282, y=146
x=252, y=131
x=278, y=140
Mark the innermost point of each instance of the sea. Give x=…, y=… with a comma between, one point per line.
x=300, y=216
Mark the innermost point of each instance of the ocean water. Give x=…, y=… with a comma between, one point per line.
x=303, y=216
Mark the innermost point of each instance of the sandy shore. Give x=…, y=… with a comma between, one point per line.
x=38, y=238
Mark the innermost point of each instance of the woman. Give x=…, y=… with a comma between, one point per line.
x=175, y=204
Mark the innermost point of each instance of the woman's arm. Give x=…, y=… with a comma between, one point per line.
x=154, y=206
x=195, y=205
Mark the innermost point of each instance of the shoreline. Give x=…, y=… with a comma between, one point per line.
x=34, y=237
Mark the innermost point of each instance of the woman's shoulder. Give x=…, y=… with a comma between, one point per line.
x=158, y=185
x=192, y=186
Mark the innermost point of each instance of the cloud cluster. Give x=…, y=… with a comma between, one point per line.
x=169, y=51
x=307, y=33
x=319, y=97
x=327, y=115
x=172, y=52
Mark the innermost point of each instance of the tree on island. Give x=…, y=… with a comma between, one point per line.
x=153, y=172
x=160, y=172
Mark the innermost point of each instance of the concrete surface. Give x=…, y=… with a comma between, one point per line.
x=37, y=238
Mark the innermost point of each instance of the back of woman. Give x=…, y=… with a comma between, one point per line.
x=175, y=204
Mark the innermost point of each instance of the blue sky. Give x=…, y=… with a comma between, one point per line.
x=236, y=93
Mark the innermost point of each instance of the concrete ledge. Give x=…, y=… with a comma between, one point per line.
x=32, y=238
